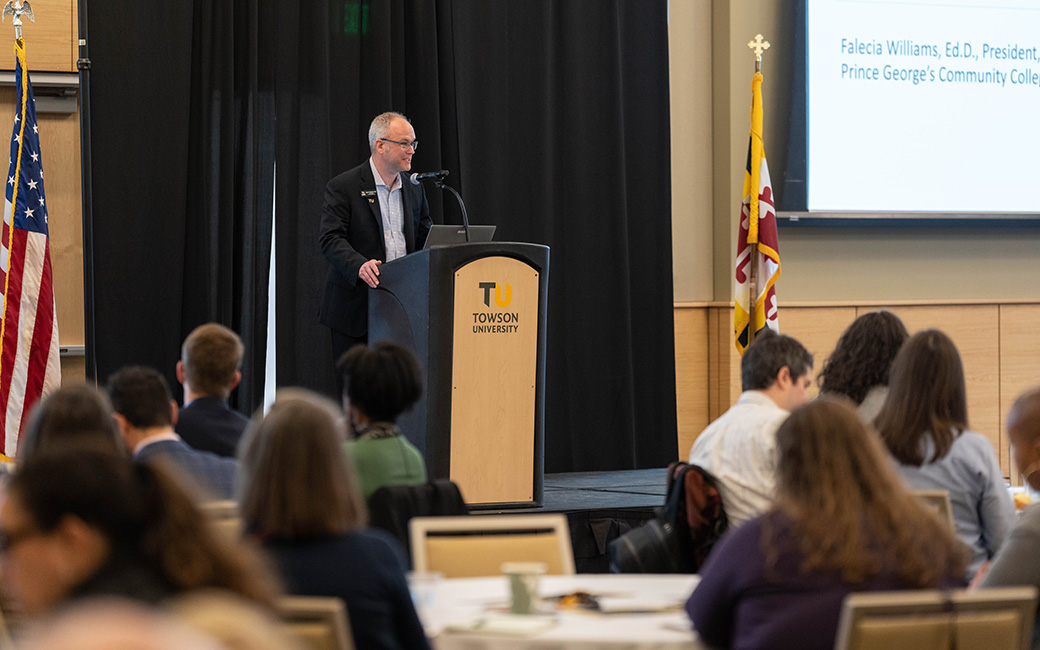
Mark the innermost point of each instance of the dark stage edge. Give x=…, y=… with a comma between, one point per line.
x=600, y=506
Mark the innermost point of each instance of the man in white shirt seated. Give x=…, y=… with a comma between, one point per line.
x=739, y=448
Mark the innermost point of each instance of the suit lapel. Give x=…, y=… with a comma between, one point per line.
x=368, y=184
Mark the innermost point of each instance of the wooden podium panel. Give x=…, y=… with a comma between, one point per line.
x=494, y=372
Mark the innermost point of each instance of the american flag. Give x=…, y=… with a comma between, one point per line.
x=29, y=366
x=757, y=233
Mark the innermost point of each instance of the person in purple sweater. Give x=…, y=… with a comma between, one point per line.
x=843, y=521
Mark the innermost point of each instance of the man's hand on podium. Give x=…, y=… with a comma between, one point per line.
x=369, y=273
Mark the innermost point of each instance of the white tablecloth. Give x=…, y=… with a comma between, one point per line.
x=464, y=600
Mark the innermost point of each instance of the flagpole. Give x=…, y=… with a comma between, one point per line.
x=86, y=180
x=758, y=46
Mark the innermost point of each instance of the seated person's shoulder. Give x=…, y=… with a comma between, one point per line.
x=380, y=544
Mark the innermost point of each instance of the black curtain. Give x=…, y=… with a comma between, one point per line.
x=182, y=167
x=566, y=142
x=339, y=66
x=553, y=119
x=552, y=116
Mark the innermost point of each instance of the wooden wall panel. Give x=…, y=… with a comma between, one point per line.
x=818, y=329
x=59, y=140
x=1019, y=362
x=724, y=372
x=997, y=343
x=73, y=370
x=691, y=374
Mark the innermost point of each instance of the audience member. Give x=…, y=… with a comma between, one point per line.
x=79, y=523
x=739, y=448
x=379, y=383
x=924, y=423
x=859, y=366
x=1018, y=562
x=78, y=414
x=843, y=522
x=300, y=497
x=209, y=369
x=145, y=413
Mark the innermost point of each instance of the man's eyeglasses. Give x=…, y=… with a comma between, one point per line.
x=414, y=144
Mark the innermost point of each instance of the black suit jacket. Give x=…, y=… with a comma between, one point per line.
x=352, y=234
x=209, y=424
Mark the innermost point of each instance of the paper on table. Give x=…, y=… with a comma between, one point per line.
x=618, y=605
x=507, y=625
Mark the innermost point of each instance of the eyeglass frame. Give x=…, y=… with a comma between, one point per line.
x=413, y=145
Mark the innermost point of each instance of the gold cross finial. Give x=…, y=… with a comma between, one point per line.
x=759, y=46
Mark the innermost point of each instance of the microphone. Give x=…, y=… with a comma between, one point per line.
x=428, y=176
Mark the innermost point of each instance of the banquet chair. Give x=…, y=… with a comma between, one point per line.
x=937, y=501
x=224, y=517
x=990, y=619
x=478, y=545
x=320, y=623
x=392, y=507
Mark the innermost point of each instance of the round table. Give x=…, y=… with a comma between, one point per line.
x=644, y=612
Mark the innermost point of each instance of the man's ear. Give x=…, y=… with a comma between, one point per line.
x=180, y=372
x=783, y=378
x=173, y=411
x=236, y=380
x=124, y=431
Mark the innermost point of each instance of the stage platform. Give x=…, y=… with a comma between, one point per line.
x=600, y=506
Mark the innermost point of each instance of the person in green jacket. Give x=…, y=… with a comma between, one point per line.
x=380, y=382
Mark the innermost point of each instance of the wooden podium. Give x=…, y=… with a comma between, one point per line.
x=474, y=314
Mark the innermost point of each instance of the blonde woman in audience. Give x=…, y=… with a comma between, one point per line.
x=843, y=521
x=924, y=423
x=299, y=497
x=81, y=523
x=1018, y=562
x=859, y=366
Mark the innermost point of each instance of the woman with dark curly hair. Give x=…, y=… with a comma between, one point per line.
x=858, y=367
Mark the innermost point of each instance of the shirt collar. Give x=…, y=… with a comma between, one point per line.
x=159, y=437
x=759, y=398
x=379, y=179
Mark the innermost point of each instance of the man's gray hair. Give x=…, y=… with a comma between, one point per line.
x=381, y=127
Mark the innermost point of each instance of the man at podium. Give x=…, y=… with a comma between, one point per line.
x=372, y=214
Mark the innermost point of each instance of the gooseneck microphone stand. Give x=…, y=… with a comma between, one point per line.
x=465, y=218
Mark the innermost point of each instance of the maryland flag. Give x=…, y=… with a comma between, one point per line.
x=757, y=226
